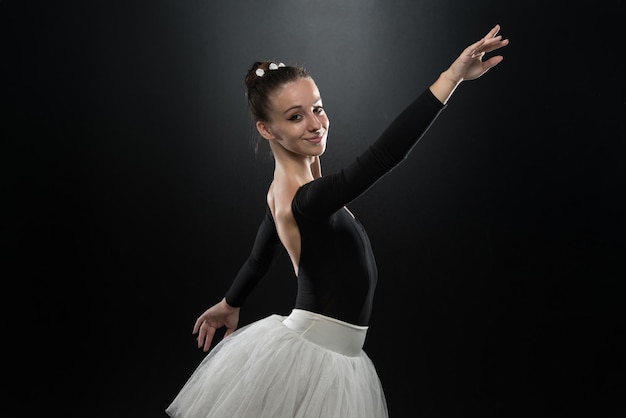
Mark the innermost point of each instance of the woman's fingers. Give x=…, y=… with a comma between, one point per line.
x=205, y=336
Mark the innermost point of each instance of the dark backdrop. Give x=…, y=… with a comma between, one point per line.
x=131, y=197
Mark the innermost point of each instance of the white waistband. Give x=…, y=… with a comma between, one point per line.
x=331, y=333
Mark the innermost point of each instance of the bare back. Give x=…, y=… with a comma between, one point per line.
x=279, y=198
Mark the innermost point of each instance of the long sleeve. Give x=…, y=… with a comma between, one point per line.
x=327, y=194
x=257, y=264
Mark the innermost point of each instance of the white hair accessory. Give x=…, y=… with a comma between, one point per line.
x=274, y=66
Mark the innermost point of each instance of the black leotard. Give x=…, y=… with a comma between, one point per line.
x=337, y=273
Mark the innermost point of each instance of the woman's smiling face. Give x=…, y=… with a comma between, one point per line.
x=297, y=120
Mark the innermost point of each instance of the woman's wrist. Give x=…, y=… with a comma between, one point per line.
x=444, y=86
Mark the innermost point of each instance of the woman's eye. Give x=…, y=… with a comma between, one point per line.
x=319, y=109
x=295, y=117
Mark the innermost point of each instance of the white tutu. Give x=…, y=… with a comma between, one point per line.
x=302, y=366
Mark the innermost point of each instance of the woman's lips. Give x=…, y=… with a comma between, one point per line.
x=316, y=139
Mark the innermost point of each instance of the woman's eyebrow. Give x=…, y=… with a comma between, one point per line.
x=318, y=100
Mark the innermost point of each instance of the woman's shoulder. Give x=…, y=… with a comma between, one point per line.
x=280, y=195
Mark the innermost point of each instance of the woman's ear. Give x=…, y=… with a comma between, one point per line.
x=264, y=130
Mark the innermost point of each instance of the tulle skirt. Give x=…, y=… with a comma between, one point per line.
x=305, y=365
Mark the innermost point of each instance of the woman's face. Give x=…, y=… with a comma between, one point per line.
x=297, y=122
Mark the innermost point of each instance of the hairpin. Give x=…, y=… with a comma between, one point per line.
x=273, y=66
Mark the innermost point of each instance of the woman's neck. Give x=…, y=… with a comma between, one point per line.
x=303, y=168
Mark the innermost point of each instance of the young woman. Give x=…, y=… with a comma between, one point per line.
x=310, y=363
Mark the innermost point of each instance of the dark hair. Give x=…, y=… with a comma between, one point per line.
x=261, y=81
x=260, y=87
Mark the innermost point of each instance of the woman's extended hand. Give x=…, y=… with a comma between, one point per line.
x=470, y=65
x=217, y=316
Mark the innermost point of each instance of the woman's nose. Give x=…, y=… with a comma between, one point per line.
x=315, y=124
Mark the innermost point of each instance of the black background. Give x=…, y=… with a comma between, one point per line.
x=131, y=197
